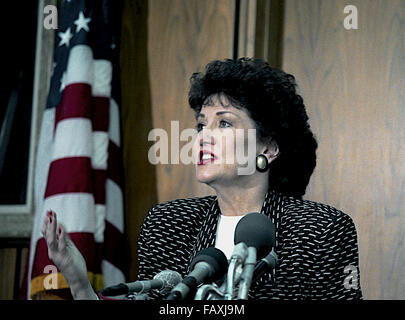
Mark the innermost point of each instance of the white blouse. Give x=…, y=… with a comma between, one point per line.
x=226, y=233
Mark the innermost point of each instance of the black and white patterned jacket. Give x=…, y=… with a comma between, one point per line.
x=316, y=245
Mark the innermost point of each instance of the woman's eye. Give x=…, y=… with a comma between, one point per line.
x=199, y=126
x=224, y=124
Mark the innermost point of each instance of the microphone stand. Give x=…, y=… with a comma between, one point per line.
x=228, y=288
x=213, y=292
x=238, y=257
x=209, y=292
x=247, y=273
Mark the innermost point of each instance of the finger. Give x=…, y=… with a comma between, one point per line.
x=45, y=225
x=61, y=236
x=54, y=222
x=51, y=230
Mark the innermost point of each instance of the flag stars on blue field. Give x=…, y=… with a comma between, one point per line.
x=62, y=82
x=65, y=37
x=75, y=29
x=82, y=22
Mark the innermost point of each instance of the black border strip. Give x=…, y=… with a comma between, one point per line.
x=236, y=30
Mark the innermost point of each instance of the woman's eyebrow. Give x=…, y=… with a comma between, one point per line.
x=202, y=115
x=222, y=112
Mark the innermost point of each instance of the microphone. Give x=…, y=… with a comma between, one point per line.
x=267, y=263
x=164, y=281
x=208, y=265
x=256, y=230
x=258, y=233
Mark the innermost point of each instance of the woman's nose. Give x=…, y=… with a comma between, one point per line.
x=206, y=137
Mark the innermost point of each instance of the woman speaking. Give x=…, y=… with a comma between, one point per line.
x=316, y=244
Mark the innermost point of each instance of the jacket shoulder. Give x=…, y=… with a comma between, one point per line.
x=180, y=211
x=318, y=217
x=185, y=204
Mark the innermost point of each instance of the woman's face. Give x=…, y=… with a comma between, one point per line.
x=222, y=137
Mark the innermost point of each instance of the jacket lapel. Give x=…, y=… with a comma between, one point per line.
x=207, y=233
x=272, y=207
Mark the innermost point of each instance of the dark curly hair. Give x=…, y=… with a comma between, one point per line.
x=270, y=98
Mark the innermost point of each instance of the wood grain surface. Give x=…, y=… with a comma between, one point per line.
x=353, y=84
x=136, y=115
x=7, y=272
x=184, y=35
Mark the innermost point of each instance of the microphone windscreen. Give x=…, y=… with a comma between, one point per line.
x=170, y=278
x=256, y=230
x=215, y=258
x=116, y=290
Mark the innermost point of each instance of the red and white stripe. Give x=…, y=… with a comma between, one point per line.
x=76, y=168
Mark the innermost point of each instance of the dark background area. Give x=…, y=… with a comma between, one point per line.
x=18, y=24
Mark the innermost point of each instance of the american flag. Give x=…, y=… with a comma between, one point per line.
x=78, y=165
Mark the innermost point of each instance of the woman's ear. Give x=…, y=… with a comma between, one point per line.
x=270, y=150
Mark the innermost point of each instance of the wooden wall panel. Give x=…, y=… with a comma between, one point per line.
x=269, y=32
x=13, y=257
x=140, y=184
x=8, y=257
x=184, y=35
x=353, y=84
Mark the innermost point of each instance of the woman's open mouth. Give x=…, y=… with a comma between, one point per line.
x=206, y=157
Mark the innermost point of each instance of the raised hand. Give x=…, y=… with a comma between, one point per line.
x=65, y=255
